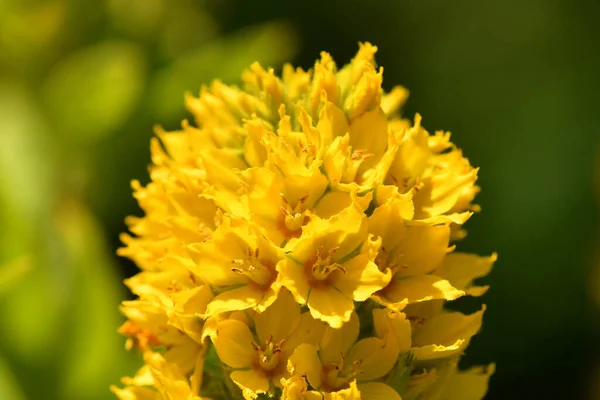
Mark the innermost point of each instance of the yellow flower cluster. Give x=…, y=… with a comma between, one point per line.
x=296, y=244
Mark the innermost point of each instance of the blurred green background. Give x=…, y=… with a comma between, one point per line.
x=83, y=82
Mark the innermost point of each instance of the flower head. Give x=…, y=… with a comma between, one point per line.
x=298, y=243
x=258, y=349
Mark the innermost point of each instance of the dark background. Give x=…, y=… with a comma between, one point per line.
x=82, y=84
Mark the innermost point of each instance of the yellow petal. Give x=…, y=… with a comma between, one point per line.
x=169, y=379
x=392, y=101
x=184, y=355
x=391, y=203
x=377, y=391
x=418, y=289
x=377, y=357
x=435, y=351
x=134, y=393
x=188, y=306
x=250, y=379
x=409, y=249
x=362, y=278
x=447, y=328
x=237, y=254
x=307, y=330
x=365, y=93
x=471, y=384
x=270, y=322
x=423, y=248
x=351, y=393
x=255, y=153
x=292, y=276
x=324, y=81
x=294, y=388
x=305, y=362
x=221, y=169
x=233, y=342
x=393, y=325
x=331, y=306
x=241, y=298
x=332, y=203
x=429, y=382
x=369, y=132
x=332, y=123
x=345, y=232
x=198, y=375
x=412, y=158
x=339, y=341
x=142, y=378
x=249, y=394
x=461, y=269
x=443, y=196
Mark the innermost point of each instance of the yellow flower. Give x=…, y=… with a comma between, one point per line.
x=447, y=382
x=239, y=263
x=148, y=328
x=296, y=388
x=331, y=266
x=167, y=379
x=299, y=243
x=341, y=361
x=417, y=254
x=258, y=350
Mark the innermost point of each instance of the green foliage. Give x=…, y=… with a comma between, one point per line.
x=92, y=92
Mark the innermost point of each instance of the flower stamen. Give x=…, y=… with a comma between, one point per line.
x=253, y=268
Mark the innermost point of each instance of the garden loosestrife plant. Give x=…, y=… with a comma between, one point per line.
x=297, y=243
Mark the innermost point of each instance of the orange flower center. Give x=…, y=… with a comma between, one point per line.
x=338, y=376
x=293, y=218
x=320, y=267
x=389, y=259
x=255, y=269
x=351, y=171
x=139, y=338
x=269, y=356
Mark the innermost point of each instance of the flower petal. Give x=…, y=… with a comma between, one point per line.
x=461, y=269
x=351, y=393
x=377, y=357
x=305, y=362
x=445, y=335
x=233, y=342
x=393, y=325
x=331, y=306
x=292, y=276
x=418, y=289
x=447, y=328
x=250, y=379
x=240, y=298
x=435, y=351
x=271, y=322
x=471, y=384
x=308, y=330
x=362, y=278
x=339, y=341
x=377, y=391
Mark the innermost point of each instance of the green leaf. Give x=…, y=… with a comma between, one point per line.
x=9, y=387
x=26, y=170
x=91, y=93
x=30, y=313
x=13, y=272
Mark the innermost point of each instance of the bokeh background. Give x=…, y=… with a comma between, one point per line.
x=83, y=82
